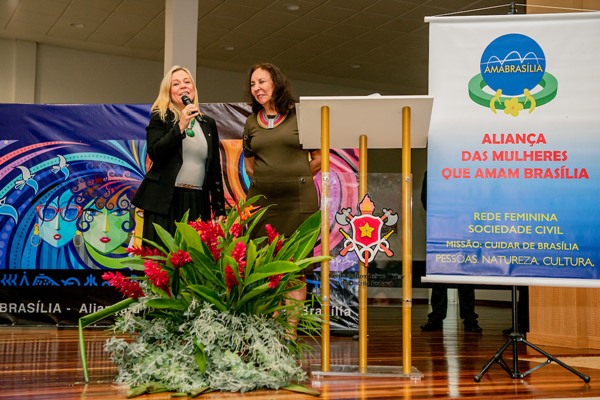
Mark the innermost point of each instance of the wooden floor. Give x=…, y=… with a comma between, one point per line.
x=43, y=363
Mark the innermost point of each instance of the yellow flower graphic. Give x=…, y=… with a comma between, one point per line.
x=512, y=107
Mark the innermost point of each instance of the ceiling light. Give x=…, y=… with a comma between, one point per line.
x=355, y=66
x=228, y=48
x=77, y=25
x=292, y=7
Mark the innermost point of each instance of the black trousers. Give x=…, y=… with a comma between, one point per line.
x=439, y=303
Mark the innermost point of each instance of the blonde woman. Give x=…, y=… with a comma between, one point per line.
x=183, y=145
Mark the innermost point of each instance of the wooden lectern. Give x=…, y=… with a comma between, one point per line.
x=386, y=122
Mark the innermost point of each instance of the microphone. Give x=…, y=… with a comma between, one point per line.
x=186, y=100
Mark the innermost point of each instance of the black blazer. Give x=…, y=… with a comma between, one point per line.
x=164, y=144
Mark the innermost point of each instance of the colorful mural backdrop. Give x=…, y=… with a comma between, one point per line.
x=67, y=176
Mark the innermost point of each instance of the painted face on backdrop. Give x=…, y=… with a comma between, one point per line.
x=181, y=84
x=57, y=220
x=107, y=227
x=261, y=86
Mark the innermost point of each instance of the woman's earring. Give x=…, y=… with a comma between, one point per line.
x=78, y=239
x=35, y=238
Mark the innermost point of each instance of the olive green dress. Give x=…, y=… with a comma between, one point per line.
x=281, y=173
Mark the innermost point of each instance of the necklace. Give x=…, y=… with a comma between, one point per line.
x=269, y=122
x=190, y=131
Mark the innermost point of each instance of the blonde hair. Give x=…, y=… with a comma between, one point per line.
x=163, y=102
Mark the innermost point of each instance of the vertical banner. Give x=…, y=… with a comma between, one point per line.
x=513, y=165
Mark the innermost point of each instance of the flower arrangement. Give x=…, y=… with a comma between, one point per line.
x=211, y=310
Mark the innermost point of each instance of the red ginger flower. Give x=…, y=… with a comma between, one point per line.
x=274, y=280
x=157, y=276
x=127, y=287
x=272, y=234
x=210, y=232
x=239, y=255
x=230, y=279
x=144, y=251
x=180, y=258
x=236, y=230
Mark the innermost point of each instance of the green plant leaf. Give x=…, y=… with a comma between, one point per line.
x=152, y=387
x=105, y=312
x=301, y=389
x=206, y=266
x=209, y=295
x=175, y=281
x=199, y=355
x=198, y=391
x=134, y=264
x=92, y=319
x=167, y=304
x=189, y=235
x=252, y=294
x=305, y=262
x=155, y=245
x=255, y=219
x=190, y=274
x=251, y=254
x=166, y=238
x=270, y=269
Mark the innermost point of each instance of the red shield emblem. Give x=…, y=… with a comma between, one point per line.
x=366, y=229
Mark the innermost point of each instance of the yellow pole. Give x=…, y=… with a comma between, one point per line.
x=325, y=301
x=362, y=270
x=406, y=243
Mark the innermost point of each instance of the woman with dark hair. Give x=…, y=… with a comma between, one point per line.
x=278, y=167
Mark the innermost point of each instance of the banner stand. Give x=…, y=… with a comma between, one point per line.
x=514, y=339
x=346, y=107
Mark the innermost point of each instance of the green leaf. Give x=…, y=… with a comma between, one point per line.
x=166, y=238
x=175, y=283
x=92, y=319
x=252, y=294
x=198, y=391
x=256, y=219
x=302, y=241
x=199, y=356
x=251, y=254
x=189, y=235
x=190, y=274
x=152, y=387
x=134, y=264
x=270, y=269
x=206, y=266
x=209, y=295
x=167, y=304
x=253, y=200
x=155, y=245
x=105, y=312
x=301, y=389
x=177, y=238
x=312, y=260
x=310, y=224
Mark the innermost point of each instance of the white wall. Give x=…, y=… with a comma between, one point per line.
x=62, y=75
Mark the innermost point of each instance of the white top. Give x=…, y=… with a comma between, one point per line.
x=195, y=153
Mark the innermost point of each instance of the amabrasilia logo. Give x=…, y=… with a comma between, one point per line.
x=513, y=76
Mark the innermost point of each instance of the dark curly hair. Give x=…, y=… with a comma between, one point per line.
x=283, y=98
